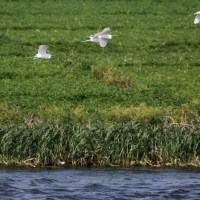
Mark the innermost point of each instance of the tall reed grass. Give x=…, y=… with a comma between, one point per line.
x=98, y=144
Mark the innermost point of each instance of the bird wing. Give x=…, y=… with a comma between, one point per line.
x=97, y=34
x=42, y=49
x=103, y=42
x=197, y=19
x=106, y=31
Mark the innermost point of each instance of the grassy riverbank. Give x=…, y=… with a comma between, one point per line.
x=96, y=145
x=145, y=81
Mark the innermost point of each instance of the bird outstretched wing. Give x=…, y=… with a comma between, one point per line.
x=97, y=34
x=42, y=49
x=197, y=19
x=106, y=31
x=103, y=42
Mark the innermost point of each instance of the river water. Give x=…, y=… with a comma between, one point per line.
x=99, y=183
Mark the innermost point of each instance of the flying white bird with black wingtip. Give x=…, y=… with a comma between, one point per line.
x=197, y=18
x=101, y=37
x=42, y=52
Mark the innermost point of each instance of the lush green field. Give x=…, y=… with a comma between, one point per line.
x=147, y=74
x=156, y=49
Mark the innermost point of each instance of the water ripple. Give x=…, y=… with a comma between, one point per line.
x=99, y=183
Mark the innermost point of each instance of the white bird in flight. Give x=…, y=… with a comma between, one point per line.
x=197, y=18
x=101, y=37
x=42, y=52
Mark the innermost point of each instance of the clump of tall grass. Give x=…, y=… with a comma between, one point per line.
x=108, y=74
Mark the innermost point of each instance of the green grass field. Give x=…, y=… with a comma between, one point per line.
x=156, y=48
x=143, y=86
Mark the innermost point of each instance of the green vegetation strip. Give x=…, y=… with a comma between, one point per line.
x=97, y=145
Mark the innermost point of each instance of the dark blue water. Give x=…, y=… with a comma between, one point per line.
x=99, y=183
